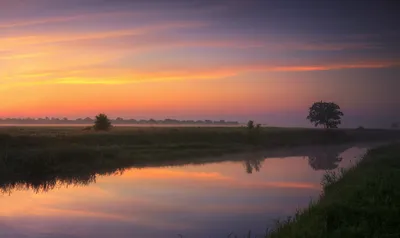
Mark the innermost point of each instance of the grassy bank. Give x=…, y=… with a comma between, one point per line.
x=33, y=156
x=364, y=202
x=64, y=147
x=31, y=137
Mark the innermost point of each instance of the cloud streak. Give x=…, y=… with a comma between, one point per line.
x=68, y=18
x=16, y=41
x=116, y=76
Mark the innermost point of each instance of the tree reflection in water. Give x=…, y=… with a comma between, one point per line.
x=45, y=184
x=326, y=158
x=320, y=158
x=324, y=161
x=252, y=164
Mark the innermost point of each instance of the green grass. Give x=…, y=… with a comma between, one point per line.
x=361, y=202
x=268, y=137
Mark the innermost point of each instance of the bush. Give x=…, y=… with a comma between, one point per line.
x=250, y=125
x=102, y=123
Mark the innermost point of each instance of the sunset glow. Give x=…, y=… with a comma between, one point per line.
x=195, y=59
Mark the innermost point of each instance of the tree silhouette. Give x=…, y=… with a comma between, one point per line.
x=395, y=125
x=327, y=114
x=250, y=125
x=102, y=123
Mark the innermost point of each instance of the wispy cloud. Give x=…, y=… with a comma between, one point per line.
x=16, y=41
x=118, y=75
x=67, y=18
x=150, y=37
x=338, y=66
x=20, y=56
x=41, y=21
x=326, y=46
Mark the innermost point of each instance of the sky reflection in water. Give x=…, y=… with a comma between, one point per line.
x=208, y=200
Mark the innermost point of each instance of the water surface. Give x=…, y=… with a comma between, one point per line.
x=232, y=193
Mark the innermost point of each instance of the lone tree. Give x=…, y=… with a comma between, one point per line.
x=250, y=125
x=102, y=123
x=327, y=114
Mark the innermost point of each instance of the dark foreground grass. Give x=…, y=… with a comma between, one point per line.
x=187, y=138
x=362, y=202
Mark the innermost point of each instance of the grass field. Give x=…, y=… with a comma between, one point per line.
x=361, y=202
x=269, y=136
x=33, y=156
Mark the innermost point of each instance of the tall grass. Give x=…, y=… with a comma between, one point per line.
x=363, y=201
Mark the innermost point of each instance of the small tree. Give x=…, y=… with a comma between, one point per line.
x=327, y=114
x=250, y=125
x=102, y=123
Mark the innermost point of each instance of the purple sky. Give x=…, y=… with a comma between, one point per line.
x=236, y=60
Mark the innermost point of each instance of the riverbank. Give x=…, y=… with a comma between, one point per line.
x=143, y=145
x=363, y=202
x=36, y=154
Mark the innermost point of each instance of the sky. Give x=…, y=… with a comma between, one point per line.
x=265, y=60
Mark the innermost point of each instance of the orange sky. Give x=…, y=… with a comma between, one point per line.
x=77, y=60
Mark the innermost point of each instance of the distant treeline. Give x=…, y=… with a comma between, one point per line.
x=118, y=120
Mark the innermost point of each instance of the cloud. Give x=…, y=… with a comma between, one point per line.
x=336, y=66
x=98, y=74
x=41, y=21
x=157, y=41
x=22, y=40
x=152, y=37
x=61, y=19
x=213, y=37
x=323, y=46
x=20, y=56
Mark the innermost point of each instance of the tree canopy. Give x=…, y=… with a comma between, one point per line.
x=327, y=114
x=250, y=124
x=102, y=123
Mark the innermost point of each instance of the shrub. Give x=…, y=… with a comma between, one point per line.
x=102, y=123
x=250, y=125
